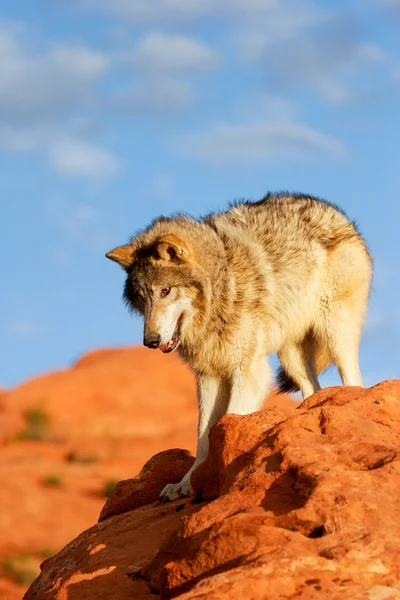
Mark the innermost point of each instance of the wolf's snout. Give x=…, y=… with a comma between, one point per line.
x=152, y=340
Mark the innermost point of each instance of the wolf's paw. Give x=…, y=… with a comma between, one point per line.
x=173, y=491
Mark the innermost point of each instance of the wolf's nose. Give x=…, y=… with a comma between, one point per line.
x=152, y=340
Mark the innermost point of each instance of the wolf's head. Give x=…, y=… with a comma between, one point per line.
x=162, y=286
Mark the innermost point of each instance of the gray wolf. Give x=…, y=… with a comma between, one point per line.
x=288, y=274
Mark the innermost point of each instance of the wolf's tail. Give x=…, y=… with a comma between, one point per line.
x=323, y=360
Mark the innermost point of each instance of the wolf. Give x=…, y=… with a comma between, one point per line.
x=288, y=274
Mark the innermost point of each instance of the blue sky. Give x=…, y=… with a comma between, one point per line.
x=115, y=111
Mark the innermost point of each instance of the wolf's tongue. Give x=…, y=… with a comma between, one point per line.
x=166, y=346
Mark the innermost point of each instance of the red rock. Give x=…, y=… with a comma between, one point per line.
x=101, y=423
x=299, y=503
x=107, y=395
x=103, y=418
x=9, y=590
x=161, y=469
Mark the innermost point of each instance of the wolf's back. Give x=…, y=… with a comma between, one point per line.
x=287, y=214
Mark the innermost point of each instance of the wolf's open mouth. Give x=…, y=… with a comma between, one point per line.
x=176, y=338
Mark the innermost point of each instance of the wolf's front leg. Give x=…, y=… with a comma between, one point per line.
x=250, y=387
x=213, y=396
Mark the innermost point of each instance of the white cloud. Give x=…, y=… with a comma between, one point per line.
x=299, y=45
x=176, y=10
x=326, y=65
x=41, y=95
x=47, y=85
x=304, y=47
x=79, y=223
x=51, y=96
x=283, y=23
x=20, y=139
x=391, y=4
x=23, y=327
x=76, y=157
x=396, y=74
x=159, y=61
x=268, y=107
x=155, y=94
x=260, y=142
x=371, y=52
x=71, y=156
x=160, y=52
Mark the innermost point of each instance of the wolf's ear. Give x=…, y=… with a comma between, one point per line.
x=171, y=247
x=123, y=255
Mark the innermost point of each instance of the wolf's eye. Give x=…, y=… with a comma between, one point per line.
x=165, y=292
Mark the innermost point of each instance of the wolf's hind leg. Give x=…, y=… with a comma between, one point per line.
x=249, y=388
x=298, y=361
x=344, y=339
x=213, y=396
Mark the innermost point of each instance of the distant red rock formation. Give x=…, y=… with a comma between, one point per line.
x=67, y=437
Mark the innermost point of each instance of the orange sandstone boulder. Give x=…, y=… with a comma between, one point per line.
x=161, y=469
x=292, y=503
